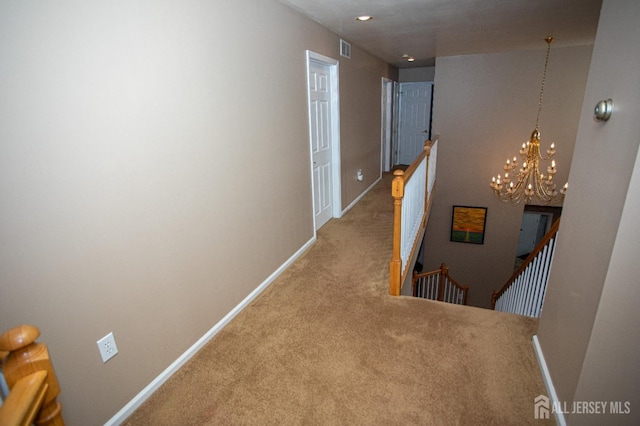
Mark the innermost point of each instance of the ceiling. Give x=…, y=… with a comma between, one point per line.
x=426, y=29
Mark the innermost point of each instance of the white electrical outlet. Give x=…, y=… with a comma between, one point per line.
x=107, y=347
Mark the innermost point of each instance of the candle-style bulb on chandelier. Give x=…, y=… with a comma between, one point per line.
x=529, y=182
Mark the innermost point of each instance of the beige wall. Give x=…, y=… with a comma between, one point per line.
x=360, y=121
x=408, y=75
x=589, y=327
x=484, y=109
x=154, y=169
x=610, y=371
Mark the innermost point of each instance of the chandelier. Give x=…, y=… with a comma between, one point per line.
x=529, y=182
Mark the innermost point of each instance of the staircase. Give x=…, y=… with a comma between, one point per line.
x=412, y=192
x=522, y=294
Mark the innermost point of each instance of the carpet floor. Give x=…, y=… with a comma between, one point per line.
x=326, y=344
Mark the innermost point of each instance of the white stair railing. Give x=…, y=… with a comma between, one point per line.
x=524, y=292
x=412, y=210
x=411, y=191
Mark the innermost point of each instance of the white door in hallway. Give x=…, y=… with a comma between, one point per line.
x=534, y=226
x=320, y=117
x=415, y=120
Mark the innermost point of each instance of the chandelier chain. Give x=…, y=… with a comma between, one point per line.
x=544, y=78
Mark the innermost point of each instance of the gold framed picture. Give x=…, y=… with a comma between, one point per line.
x=468, y=224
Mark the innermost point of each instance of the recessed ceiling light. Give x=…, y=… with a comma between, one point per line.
x=364, y=18
x=411, y=59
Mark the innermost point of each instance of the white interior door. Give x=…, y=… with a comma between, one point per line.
x=414, y=121
x=533, y=228
x=528, y=233
x=321, y=134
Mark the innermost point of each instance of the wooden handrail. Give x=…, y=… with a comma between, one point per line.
x=24, y=401
x=26, y=356
x=398, y=271
x=537, y=249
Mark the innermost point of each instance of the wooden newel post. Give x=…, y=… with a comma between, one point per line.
x=395, y=269
x=444, y=271
x=26, y=356
x=494, y=299
x=427, y=148
x=414, y=280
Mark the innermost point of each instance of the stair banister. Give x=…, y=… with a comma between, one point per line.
x=438, y=285
x=524, y=291
x=27, y=357
x=23, y=403
x=411, y=191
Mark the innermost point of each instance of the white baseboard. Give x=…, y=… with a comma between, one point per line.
x=354, y=202
x=551, y=391
x=145, y=393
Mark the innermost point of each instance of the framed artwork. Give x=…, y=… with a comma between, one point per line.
x=467, y=224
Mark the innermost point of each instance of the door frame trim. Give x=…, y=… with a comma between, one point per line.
x=336, y=201
x=386, y=145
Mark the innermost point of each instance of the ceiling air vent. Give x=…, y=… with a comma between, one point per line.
x=345, y=49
